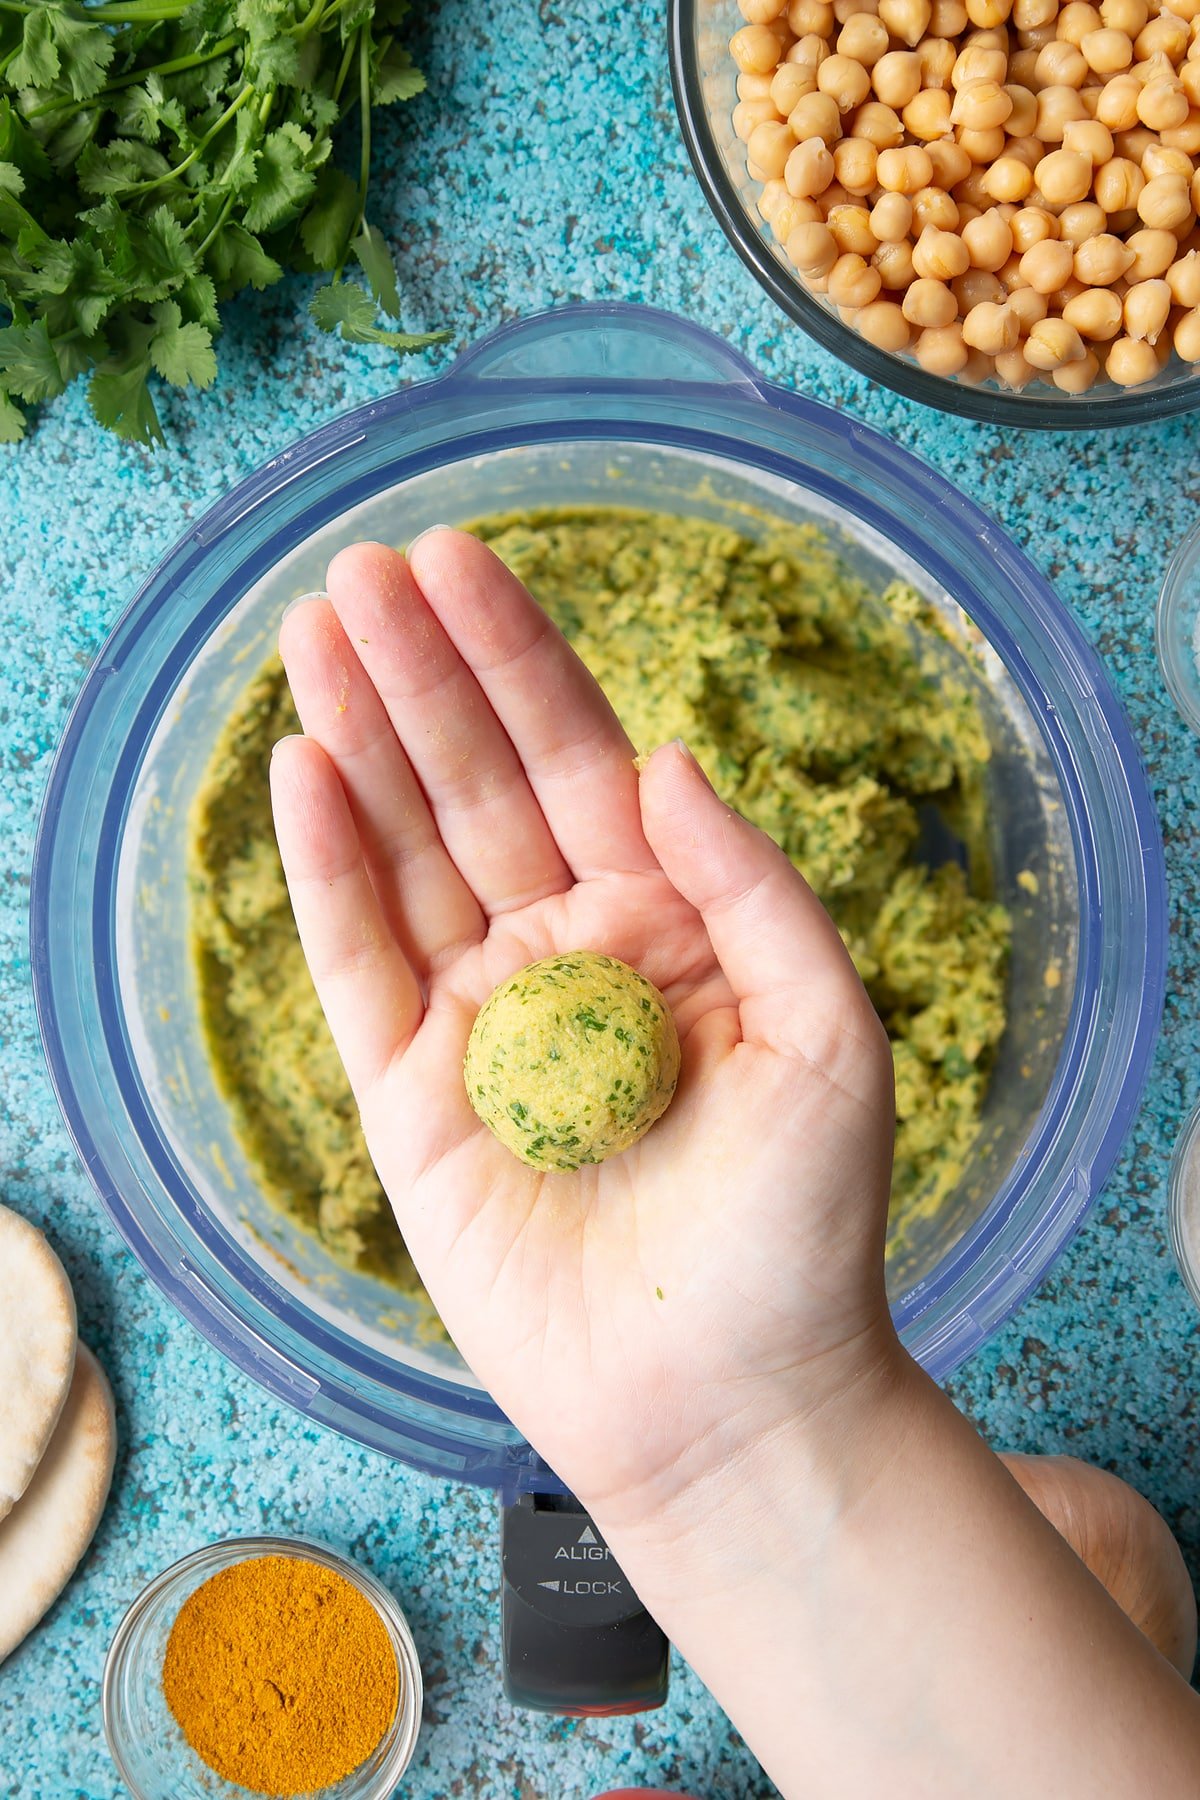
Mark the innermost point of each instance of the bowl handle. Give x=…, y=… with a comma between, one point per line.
x=608, y=342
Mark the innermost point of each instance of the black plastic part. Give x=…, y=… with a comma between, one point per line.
x=577, y=1640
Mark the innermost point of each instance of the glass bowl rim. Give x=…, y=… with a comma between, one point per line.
x=227, y=1553
x=993, y=406
x=1170, y=610
x=1187, y=1144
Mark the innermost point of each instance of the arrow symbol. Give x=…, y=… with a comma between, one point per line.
x=552, y=1585
x=587, y=1536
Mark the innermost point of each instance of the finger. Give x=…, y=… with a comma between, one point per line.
x=484, y=807
x=778, y=946
x=364, y=982
x=428, y=904
x=578, y=759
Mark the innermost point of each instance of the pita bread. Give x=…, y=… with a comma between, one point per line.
x=37, y=1351
x=52, y=1524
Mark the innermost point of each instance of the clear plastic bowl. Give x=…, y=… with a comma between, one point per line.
x=704, y=78
x=1177, y=629
x=604, y=404
x=155, y=1760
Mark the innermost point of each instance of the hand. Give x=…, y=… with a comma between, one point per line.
x=465, y=801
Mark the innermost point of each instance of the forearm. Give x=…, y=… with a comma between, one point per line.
x=879, y=1608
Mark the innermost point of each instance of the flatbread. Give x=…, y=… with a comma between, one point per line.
x=37, y=1351
x=52, y=1524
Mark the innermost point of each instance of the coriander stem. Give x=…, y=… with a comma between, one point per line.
x=175, y=67
x=145, y=187
x=364, y=101
x=226, y=209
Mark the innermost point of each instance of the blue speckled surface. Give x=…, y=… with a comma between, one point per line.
x=543, y=165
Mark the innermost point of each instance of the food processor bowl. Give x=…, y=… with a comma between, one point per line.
x=588, y=405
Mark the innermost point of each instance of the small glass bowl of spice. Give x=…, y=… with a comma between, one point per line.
x=267, y=1666
x=1177, y=628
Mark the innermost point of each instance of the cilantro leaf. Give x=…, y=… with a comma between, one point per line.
x=120, y=167
x=238, y=260
x=182, y=354
x=342, y=306
x=85, y=51
x=29, y=365
x=375, y=260
x=326, y=226
x=119, y=398
x=12, y=421
x=394, y=77
x=283, y=181
x=36, y=63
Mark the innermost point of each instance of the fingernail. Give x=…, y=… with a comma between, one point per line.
x=423, y=534
x=687, y=751
x=318, y=594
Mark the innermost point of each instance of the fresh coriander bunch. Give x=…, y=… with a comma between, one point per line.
x=158, y=157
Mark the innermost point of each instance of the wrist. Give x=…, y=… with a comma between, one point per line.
x=783, y=1471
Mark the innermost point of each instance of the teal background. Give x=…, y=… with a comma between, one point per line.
x=543, y=165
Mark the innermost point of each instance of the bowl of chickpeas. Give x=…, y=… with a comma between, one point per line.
x=987, y=205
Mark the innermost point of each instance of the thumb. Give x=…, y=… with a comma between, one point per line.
x=780, y=950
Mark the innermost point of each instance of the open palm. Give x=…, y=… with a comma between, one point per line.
x=463, y=802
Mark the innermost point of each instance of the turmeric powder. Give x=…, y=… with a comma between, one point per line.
x=281, y=1675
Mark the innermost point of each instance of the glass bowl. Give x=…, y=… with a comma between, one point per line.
x=704, y=77
x=1183, y=1197
x=592, y=405
x=1177, y=628
x=153, y=1757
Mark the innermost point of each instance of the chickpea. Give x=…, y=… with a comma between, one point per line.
x=891, y=218
x=1117, y=105
x=851, y=228
x=936, y=57
x=1076, y=20
x=1077, y=377
x=1118, y=184
x=1008, y=179
x=852, y=281
x=1166, y=35
x=813, y=249
x=1048, y=265
x=941, y=350
x=863, y=38
x=1183, y=280
x=1107, y=52
x=1162, y=104
x=1056, y=107
x=755, y=49
x=882, y=323
x=843, y=9
x=878, y=124
x=1088, y=137
x=978, y=62
x=989, y=241
x=1027, y=15
x=790, y=213
x=1029, y=307
x=1186, y=336
x=983, y=147
x=906, y=19
x=904, y=171
x=1164, y=202
x=754, y=87
x=987, y=13
x=929, y=303
x=1032, y=225
x=1147, y=307
x=1130, y=362
x=895, y=265
x=948, y=18
x=835, y=195
x=845, y=81
x=927, y=115
x=1063, y=176
x=991, y=328
x=1022, y=68
x=809, y=52
x=1061, y=65
x=770, y=145
x=1189, y=76
x=972, y=191
x=934, y=206
x=1134, y=143
x=896, y=78
x=951, y=164
x=981, y=105
x=854, y=166
x=1052, y=342
x=975, y=287
x=1153, y=251
x=940, y=254
x=1124, y=15
x=1185, y=137
x=748, y=115
x=1160, y=159
x=760, y=12
x=804, y=16
x=768, y=202
x=809, y=169
x=1095, y=314
x=1101, y=260
x=789, y=85
x=1194, y=192
x=1012, y=370
x=1082, y=221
